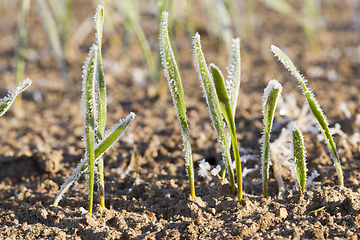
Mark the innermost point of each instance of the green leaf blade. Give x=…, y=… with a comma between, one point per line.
x=227, y=112
x=271, y=95
x=7, y=101
x=89, y=78
x=214, y=105
x=234, y=74
x=297, y=144
x=172, y=74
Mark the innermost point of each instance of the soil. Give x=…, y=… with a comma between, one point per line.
x=147, y=190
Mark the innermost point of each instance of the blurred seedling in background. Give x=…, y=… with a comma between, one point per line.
x=309, y=18
x=216, y=96
x=49, y=25
x=314, y=107
x=7, y=101
x=271, y=95
x=129, y=10
x=94, y=104
x=226, y=17
x=20, y=49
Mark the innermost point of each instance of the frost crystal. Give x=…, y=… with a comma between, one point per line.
x=204, y=168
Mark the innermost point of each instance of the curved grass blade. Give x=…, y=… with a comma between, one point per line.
x=314, y=107
x=89, y=77
x=100, y=100
x=172, y=74
x=297, y=145
x=20, y=49
x=271, y=95
x=6, y=102
x=227, y=112
x=50, y=28
x=110, y=138
x=214, y=106
x=323, y=207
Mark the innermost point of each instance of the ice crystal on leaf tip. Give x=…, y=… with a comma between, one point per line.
x=7, y=101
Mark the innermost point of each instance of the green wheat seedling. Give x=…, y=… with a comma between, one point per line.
x=271, y=95
x=7, y=101
x=314, y=107
x=297, y=145
x=213, y=103
x=94, y=104
x=233, y=82
x=50, y=29
x=20, y=50
x=227, y=112
x=171, y=71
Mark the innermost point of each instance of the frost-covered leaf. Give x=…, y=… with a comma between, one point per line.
x=172, y=74
x=299, y=156
x=271, y=95
x=6, y=102
x=213, y=105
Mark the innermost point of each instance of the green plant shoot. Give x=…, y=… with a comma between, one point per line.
x=172, y=74
x=314, y=107
x=227, y=113
x=271, y=95
x=233, y=82
x=297, y=145
x=20, y=50
x=89, y=111
x=96, y=142
x=7, y=101
x=101, y=100
x=214, y=106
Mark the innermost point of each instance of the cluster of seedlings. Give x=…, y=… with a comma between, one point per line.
x=221, y=96
x=221, y=102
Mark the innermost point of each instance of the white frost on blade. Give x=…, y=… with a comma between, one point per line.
x=7, y=101
x=288, y=64
x=207, y=85
x=70, y=180
x=172, y=74
x=163, y=40
x=273, y=84
x=125, y=122
x=234, y=71
x=204, y=168
x=99, y=20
